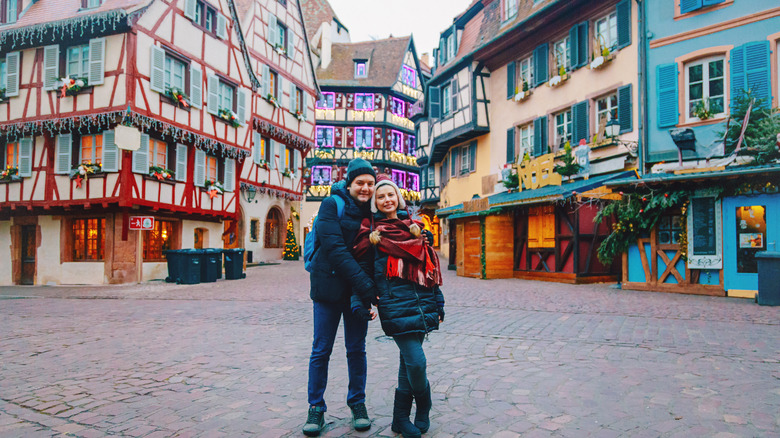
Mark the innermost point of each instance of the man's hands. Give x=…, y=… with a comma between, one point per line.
x=364, y=314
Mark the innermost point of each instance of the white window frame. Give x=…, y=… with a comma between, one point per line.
x=83, y=63
x=281, y=35
x=564, y=43
x=394, y=103
x=366, y=104
x=360, y=133
x=17, y=155
x=96, y=158
x=509, y=9
x=465, y=160
x=358, y=73
x=526, y=140
x=451, y=46
x=525, y=72
x=446, y=99
x=611, y=109
x=704, y=62
x=153, y=142
x=409, y=76
x=605, y=30
x=226, y=94
x=3, y=73
x=325, y=137
x=563, y=123
x=397, y=141
x=431, y=179
x=168, y=73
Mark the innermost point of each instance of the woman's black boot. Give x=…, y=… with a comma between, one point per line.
x=423, y=400
x=402, y=409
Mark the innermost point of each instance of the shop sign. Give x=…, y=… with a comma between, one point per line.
x=476, y=205
x=539, y=172
x=141, y=222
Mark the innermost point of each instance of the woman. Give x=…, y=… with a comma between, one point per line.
x=407, y=275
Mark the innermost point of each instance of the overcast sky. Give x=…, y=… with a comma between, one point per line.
x=376, y=19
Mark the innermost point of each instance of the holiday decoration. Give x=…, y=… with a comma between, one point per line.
x=229, y=116
x=299, y=115
x=759, y=138
x=84, y=170
x=272, y=99
x=160, y=173
x=290, y=244
x=177, y=96
x=282, y=135
x=71, y=86
x=2, y=95
x=570, y=165
x=214, y=188
x=10, y=174
x=65, y=30
x=287, y=173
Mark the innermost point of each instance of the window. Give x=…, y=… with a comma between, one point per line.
x=281, y=36
x=9, y=11
x=431, y=176
x=606, y=110
x=465, y=162
x=398, y=107
x=158, y=153
x=158, y=240
x=254, y=229
x=510, y=9
x=320, y=175
x=273, y=229
x=694, y=5
x=446, y=99
x=211, y=168
x=525, y=73
x=606, y=31
x=77, y=61
x=399, y=178
x=364, y=102
x=408, y=76
x=363, y=138
x=298, y=100
x=225, y=94
x=273, y=82
x=705, y=89
x=89, y=4
x=324, y=136
x=451, y=46
x=412, y=141
x=3, y=73
x=562, y=128
x=360, y=69
x=289, y=160
x=454, y=158
x=11, y=155
x=413, y=181
x=175, y=73
x=669, y=229
x=88, y=239
x=397, y=141
x=91, y=148
x=526, y=133
x=326, y=101
x=205, y=16
x=561, y=55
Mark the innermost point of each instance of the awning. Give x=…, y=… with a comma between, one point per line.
x=475, y=213
x=537, y=196
x=660, y=178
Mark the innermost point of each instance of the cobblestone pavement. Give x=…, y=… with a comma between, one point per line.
x=513, y=358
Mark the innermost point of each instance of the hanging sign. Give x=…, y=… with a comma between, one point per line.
x=141, y=222
x=127, y=137
x=538, y=173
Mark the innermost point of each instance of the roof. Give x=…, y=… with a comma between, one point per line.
x=660, y=178
x=536, y=196
x=316, y=12
x=385, y=58
x=52, y=11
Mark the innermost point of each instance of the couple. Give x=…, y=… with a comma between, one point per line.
x=371, y=252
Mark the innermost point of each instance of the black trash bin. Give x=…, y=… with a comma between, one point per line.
x=183, y=266
x=211, y=265
x=234, y=263
x=768, y=278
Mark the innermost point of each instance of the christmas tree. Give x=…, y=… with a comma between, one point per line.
x=290, y=243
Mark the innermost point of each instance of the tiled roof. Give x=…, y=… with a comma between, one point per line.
x=385, y=58
x=316, y=12
x=50, y=11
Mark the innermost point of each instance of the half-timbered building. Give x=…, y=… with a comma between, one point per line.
x=127, y=127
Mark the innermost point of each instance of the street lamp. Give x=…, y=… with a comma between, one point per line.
x=250, y=192
x=612, y=129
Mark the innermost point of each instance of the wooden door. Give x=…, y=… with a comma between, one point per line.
x=453, y=246
x=472, y=248
x=28, y=255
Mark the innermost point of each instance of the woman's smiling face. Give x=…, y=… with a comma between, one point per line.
x=386, y=199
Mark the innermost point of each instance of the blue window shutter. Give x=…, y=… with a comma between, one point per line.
x=510, y=145
x=473, y=156
x=690, y=5
x=579, y=115
x=540, y=65
x=623, y=24
x=540, y=136
x=582, y=40
x=757, y=71
x=455, y=93
x=666, y=95
x=510, y=80
x=625, y=109
x=712, y=2
x=434, y=94
x=738, y=81
x=574, y=47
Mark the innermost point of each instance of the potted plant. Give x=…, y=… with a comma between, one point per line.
x=229, y=116
x=299, y=115
x=604, y=55
x=72, y=86
x=10, y=174
x=702, y=109
x=177, y=96
x=560, y=77
x=161, y=173
x=272, y=99
x=524, y=93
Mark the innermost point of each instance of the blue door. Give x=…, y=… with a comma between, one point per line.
x=751, y=224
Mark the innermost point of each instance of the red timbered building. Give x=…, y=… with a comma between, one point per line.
x=119, y=109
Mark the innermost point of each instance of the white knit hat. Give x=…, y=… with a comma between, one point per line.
x=384, y=180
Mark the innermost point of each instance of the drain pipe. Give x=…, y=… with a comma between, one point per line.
x=642, y=79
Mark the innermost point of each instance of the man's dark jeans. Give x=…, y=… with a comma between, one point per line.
x=326, y=324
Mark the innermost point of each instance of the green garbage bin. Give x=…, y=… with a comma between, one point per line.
x=211, y=264
x=234, y=263
x=183, y=266
x=768, y=278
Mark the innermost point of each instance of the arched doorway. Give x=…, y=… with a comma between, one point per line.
x=274, y=227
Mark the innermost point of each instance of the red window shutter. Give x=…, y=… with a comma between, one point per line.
x=339, y=100
x=337, y=136
x=351, y=138
x=377, y=138
x=377, y=101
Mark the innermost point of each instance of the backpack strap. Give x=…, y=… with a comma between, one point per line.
x=339, y=205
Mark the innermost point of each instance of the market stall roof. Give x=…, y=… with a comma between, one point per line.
x=544, y=194
x=660, y=178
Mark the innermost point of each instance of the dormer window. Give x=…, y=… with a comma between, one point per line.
x=361, y=69
x=510, y=9
x=90, y=4
x=408, y=76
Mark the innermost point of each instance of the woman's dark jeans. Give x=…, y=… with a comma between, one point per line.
x=411, y=369
x=326, y=324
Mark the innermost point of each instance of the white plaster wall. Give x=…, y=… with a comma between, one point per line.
x=6, y=278
x=259, y=210
x=51, y=271
x=154, y=271
x=188, y=234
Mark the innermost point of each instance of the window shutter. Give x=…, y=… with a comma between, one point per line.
x=623, y=24
x=305, y=108
x=266, y=85
x=434, y=94
x=212, y=103
x=273, y=30
x=540, y=136
x=454, y=39
x=757, y=71
x=271, y=154
x=196, y=86
x=292, y=102
x=473, y=157
x=510, y=145
x=12, y=12
x=712, y=2
x=444, y=172
x=222, y=23
x=64, y=149
x=582, y=44
x=689, y=5
x=540, y=65
x=455, y=94
x=11, y=74
x=230, y=175
x=25, y=157
x=110, y=152
x=625, y=109
x=511, y=78
x=141, y=156
x=199, y=175
x=579, y=115
x=666, y=95
x=97, y=55
x=189, y=8
x=51, y=66
x=241, y=106
x=574, y=47
x=157, y=76
x=256, y=141
x=290, y=43
x=181, y=162
x=738, y=85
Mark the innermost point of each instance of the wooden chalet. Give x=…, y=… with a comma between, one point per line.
x=116, y=111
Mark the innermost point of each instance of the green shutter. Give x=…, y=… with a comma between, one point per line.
x=666, y=95
x=623, y=24
x=111, y=153
x=757, y=71
x=625, y=109
x=473, y=156
x=141, y=156
x=690, y=5
x=540, y=136
x=434, y=96
x=510, y=145
x=579, y=114
x=25, y=157
x=540, y=65
x=583, y=54
x=511, y=79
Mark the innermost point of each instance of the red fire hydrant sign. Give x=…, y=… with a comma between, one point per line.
x=141, y=222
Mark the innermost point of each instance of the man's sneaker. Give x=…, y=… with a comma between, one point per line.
x=360, y=419
x=315, y=422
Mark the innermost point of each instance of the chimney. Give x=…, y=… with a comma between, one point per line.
x=425, y=59
x=327, y=44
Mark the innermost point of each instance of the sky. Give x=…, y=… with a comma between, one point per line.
x=377, y=19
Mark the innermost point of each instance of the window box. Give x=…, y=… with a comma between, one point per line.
x=298, y=115
x=214, y=188
x=324, y=152
x=262, y=163
x=558, y=80
x=279, y=49
x=3, y=98
x=160, y=173
x=85, y=170
x=10, y=174
x=273, y=100
x=602, y=60
x=73, y=86
x=522, y=95
x=178, y=97
x=229, y=117
x=287, y=173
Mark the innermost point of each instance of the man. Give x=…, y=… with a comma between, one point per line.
x=334, y=275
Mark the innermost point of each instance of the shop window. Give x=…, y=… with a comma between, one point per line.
x=254, y=229
x=273, y=229
x=158, y=240
x=88, y=237
x=705, y=88
x=327, y=101
x=751, y=237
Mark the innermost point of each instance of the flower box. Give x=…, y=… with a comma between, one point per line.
x=299, y=115
x=3, y=98
x=262, y=163
x=557, y=80
x=72, y=86
x=522, y=95
x=213, y=188
x=229, y=117
x=287, y=173
x=272, y=100
x=280, y=50
x=601, y=61
x=178, y=97
x=10, y=174
x=160, y=173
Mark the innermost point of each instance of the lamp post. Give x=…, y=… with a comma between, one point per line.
x=612, y=129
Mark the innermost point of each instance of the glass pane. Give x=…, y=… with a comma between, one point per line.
x=84, y=60
x=716, y=105
x=716, y=69
x=696, y=91
x=664, y=237
x=716, y=88
x=695, y=73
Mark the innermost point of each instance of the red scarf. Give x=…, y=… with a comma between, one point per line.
x=408, y=256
